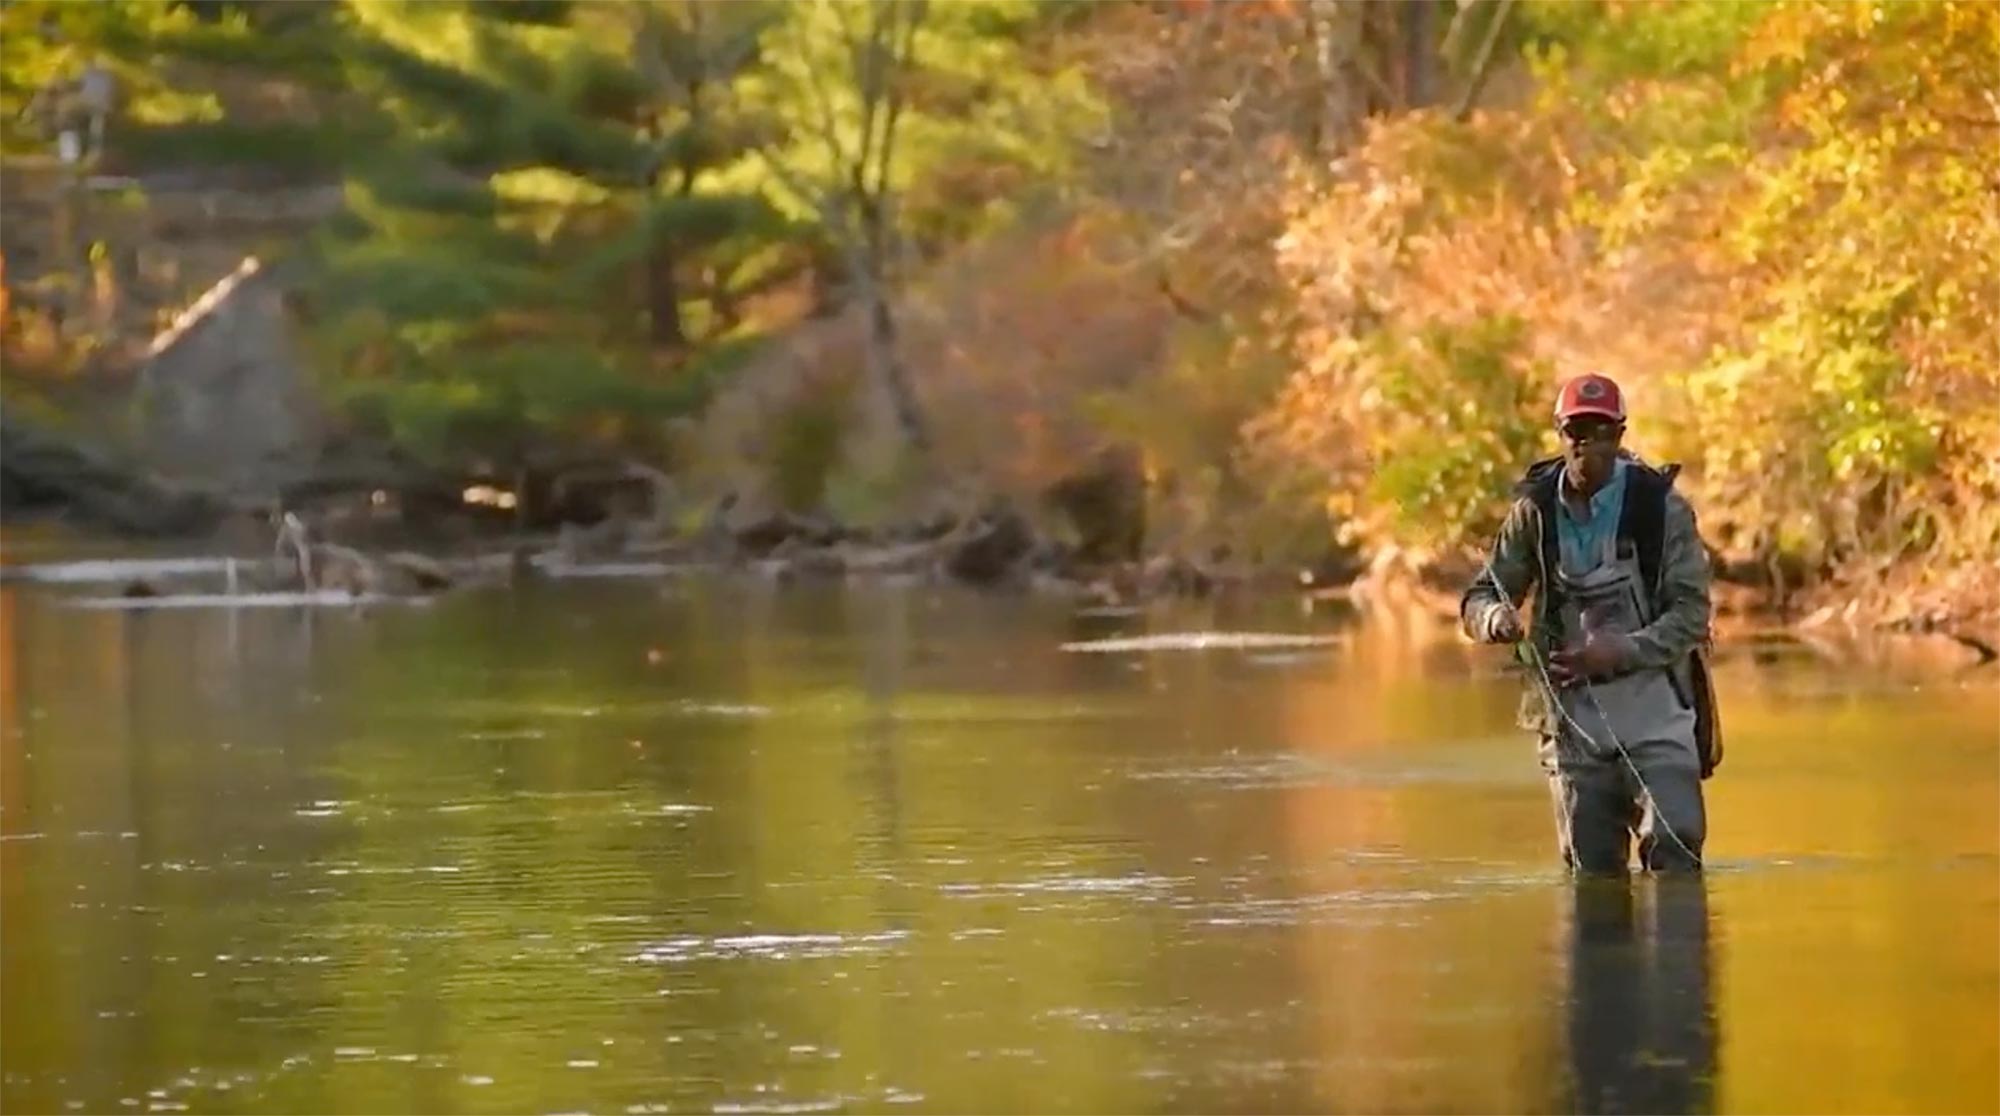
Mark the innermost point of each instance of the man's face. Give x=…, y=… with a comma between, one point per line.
x=1590, y=449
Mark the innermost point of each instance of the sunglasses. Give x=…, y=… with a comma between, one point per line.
x=1581, y=431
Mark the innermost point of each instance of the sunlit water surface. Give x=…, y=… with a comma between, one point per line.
x=637, y=847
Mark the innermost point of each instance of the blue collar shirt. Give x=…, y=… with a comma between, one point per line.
x=1583, y=541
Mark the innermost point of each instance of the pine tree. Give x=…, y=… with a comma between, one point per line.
x=512, y=267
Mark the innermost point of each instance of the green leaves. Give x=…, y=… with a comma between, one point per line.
x=977, y=128
x=1459, y=413
x=542, y=203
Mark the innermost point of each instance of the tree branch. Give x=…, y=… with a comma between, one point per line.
x=904, y=55
x=1483, y=65
x=821, y=99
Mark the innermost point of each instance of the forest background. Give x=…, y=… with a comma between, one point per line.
x=1301, y=275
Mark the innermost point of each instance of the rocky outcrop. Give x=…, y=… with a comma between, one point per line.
x=44, y=472
x=223, y=400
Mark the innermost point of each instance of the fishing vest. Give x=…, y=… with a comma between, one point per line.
x=1641, y=535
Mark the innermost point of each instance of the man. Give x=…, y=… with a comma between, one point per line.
x=1618, y=690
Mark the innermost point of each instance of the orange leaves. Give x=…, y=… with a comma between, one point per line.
x=1012, y=342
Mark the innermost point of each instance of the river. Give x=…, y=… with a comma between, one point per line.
x=708, y=845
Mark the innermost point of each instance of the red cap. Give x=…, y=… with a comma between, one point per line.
x=1591, y=395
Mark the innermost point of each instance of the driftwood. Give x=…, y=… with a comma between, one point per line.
x=319, y=565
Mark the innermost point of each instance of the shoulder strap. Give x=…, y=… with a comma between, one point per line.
x=1643, y=517
x=1538, y=485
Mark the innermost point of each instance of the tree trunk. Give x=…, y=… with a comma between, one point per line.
x=893, y=377
x=1337, y=30
x=663, y=300
x=1419, y=52
x=1483, y=64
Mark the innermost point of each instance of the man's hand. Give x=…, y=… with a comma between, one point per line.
x=1503, y=624
x=1598, y=656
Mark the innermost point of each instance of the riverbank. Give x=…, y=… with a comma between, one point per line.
x=994, y=552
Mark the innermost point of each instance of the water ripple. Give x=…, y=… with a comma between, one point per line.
x=769, y=946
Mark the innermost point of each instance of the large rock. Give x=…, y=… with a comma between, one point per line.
x=223, y=400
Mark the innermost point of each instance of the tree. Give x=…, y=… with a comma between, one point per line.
x=901, y=129
x=1777, y=222
x=512, y=267
x=687, y=56
x=849, y=68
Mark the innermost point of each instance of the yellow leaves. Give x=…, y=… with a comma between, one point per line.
x=168, y=106
x=547, y=185
x=1831, y=271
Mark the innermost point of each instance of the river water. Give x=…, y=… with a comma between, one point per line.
x=714, y=846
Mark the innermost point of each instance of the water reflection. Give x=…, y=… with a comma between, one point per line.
x=1642, y=1019
x=651, y=847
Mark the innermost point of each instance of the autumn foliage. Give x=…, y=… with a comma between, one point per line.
x=1315, y=266
x=1786, y=246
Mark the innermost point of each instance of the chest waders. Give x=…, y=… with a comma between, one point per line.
x=1647, y=704
x=1620, y=595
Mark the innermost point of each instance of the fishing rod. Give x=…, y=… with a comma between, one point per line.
x=1555, y=703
